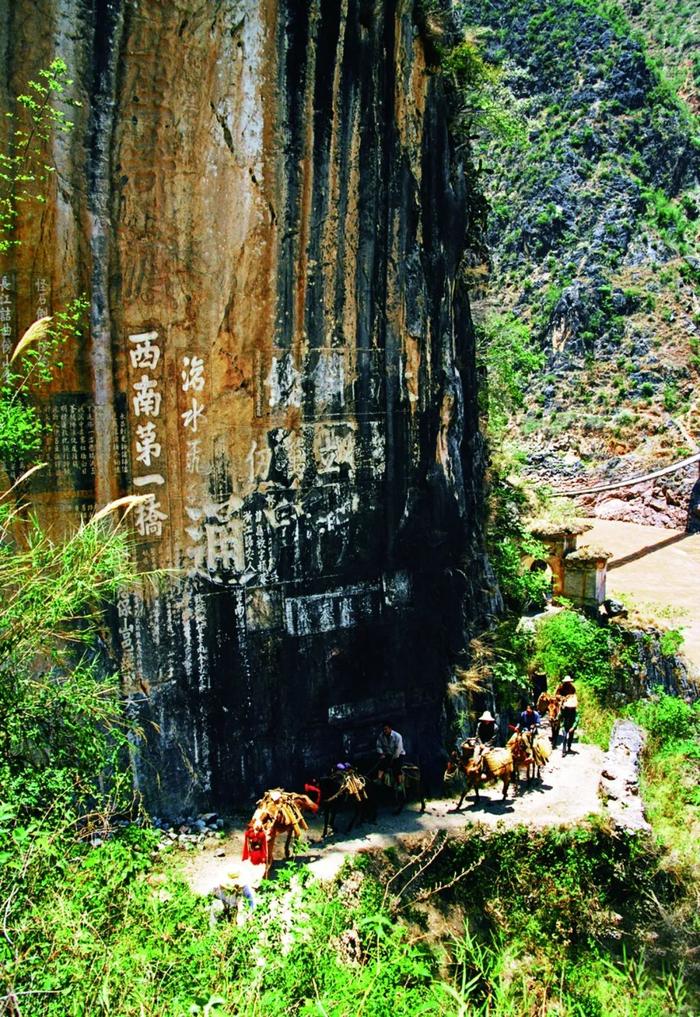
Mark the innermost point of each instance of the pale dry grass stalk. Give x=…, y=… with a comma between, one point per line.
x=37, y=331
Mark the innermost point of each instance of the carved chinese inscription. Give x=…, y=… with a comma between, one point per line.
x=216, y=548
x=42, y=295
x=70, y=441
x=146, y=398
x=7, y=312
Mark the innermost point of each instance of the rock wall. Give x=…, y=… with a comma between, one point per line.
x=655, y=668
x=619, y=781
x=261, y=200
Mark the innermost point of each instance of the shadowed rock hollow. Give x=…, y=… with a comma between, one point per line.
x=263, y=205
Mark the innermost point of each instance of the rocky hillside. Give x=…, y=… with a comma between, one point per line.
x=672, y=34
x=593, y=238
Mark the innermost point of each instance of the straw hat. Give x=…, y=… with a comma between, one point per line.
x=487, y=716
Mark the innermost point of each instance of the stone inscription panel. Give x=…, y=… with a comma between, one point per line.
x=336, y=609
x=8, y=312
x=69, y=444
x=148, y=453
x=325, y=382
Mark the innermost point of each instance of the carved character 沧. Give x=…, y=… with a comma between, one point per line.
x=193, y=374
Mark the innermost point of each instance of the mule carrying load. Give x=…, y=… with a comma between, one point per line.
x=560, y=708
x=549, y=706
x=479, y=767
x=278, y=811
x=569, y=711
x=531, y=751
x=351, y=783
x=343, y=788
x=410, y=788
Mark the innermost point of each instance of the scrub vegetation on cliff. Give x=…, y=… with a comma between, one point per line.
x=593, y=235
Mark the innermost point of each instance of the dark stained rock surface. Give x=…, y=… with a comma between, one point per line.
x=262, y=202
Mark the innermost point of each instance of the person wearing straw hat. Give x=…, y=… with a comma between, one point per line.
x=485, y=735
x=486, y=730
x=567, y=690
x=569, y=711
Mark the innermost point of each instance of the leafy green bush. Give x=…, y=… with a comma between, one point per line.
x=667, y=718
x=667, y=215
x=509, y=359
x=670, y=787
x=479, y=101
x=671, y=398
x=671, y=640
x=569, y=643
x=519, y=586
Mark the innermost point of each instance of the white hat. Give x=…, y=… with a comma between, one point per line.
x=487, y=716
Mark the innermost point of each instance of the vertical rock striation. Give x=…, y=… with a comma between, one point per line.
x=262, y=200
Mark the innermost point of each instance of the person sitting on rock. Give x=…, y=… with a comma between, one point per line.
x=391, y=753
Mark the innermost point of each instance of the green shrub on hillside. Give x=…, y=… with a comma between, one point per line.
x=508, y=359
x=667, y=718
x=569, y=643
x=520, y=587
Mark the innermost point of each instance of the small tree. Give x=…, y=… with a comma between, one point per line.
x=24, y=170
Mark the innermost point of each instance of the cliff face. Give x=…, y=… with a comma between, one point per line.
x=261, y=201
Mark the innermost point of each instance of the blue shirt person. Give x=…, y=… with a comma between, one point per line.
x=529, y=718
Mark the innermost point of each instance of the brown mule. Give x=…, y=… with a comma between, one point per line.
x=550, y=705
x=278, y=812
x=480, y=765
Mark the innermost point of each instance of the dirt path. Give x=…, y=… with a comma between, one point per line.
x=568, y=792
x=660, y=569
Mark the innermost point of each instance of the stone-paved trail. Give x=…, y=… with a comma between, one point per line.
x=567, y=793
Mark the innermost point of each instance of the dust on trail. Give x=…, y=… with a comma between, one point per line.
x=567, y=793
x=656, y=567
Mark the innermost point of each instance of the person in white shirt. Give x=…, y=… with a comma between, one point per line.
x=391, y=753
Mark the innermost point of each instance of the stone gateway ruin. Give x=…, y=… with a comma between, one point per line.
x=262, y=204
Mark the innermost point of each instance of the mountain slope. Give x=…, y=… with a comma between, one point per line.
x=593, y=239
